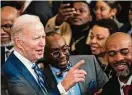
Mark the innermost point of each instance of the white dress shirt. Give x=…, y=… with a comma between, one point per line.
x=123, y=84
x=26, y=63
x=26, y=4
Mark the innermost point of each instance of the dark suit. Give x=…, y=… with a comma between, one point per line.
x=20, y=80
x=41, y=9
x=2, y=55
x=113, y=87
x=94, y=72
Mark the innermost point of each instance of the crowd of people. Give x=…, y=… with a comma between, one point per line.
x=81, y=49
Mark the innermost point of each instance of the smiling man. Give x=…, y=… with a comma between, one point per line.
x=119, y=54
x=58, y=62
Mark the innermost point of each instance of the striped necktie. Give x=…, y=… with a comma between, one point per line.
x=40, y=78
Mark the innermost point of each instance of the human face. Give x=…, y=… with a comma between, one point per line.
x=82, y=15
x=103, y=10
x=98, y=38
x=7, y=21
x=33, y=42
x=119, y=56
x=58, y=51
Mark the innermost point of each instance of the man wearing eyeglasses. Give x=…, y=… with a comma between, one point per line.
x=57, y=63
x=119, y=54
x=8, y=16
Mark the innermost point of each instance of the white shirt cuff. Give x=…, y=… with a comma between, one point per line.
x=61, y=89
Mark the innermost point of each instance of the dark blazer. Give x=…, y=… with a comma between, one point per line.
x=94, y=72
x=2, y=55
x=20, y=80
x=41, y=9
x=113, y=87
x=125, y=28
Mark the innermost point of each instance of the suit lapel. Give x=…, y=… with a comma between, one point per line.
x=51, y=81
x=26, y=74
x=130, y=92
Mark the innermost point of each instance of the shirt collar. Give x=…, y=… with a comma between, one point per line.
x=25, y=61
x=128, y=82
x=26, y=4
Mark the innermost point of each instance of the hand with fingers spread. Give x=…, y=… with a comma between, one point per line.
x=73, y=76
x=64, y=13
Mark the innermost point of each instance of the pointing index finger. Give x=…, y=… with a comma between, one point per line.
x=79, y=64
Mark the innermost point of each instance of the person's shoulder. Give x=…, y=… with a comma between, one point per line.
x=8, y=66
x=88, y=57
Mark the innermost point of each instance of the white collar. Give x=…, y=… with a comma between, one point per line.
x=26, y=4
x=24, y=60
x=128, y=82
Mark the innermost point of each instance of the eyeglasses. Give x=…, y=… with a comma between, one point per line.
x=64, y=49
x=6, y=27
x=124, y=51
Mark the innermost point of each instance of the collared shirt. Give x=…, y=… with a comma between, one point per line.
x=9, y=52
x=26, y=4
x=26, y=63
x=75, y=90
x=123, y=84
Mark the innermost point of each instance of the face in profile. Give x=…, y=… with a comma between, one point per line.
x=103, y=10
x=57, y=51
x=119, y=56
x=33, y=42
x=82, y=15
x=98, y=38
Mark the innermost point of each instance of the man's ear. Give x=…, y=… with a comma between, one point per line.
x=18, y=43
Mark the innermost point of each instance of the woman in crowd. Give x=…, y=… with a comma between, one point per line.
x=107, y=9
x=101, y=30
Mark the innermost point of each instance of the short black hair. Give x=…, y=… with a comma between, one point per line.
x=109, y=24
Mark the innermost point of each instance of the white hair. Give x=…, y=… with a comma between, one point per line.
x=21, y=23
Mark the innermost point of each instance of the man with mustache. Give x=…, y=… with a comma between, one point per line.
x=57, y=62
x=119, y=54
x=8, y=16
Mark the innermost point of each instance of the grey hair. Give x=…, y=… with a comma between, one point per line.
x=21, y=22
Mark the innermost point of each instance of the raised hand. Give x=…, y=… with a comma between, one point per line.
x=73, y=76
x=64, y=13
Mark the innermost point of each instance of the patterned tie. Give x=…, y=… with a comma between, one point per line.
x=40, y=78
x=126, y=89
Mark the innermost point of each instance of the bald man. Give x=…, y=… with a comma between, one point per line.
x=119, y=54
x=8, y=16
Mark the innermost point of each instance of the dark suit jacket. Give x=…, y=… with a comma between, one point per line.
x=125, y=28
x=20, y=80
x=41, y=9
x=94, y=72
x=113, y=87
x=2, y=55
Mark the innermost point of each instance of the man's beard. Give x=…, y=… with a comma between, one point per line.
x=126, y=72
x=7, y=44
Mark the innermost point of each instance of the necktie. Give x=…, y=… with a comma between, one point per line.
x=126, y=89
x=60, y=74
x=40, y=78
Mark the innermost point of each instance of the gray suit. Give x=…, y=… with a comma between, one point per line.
x=94, y=74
